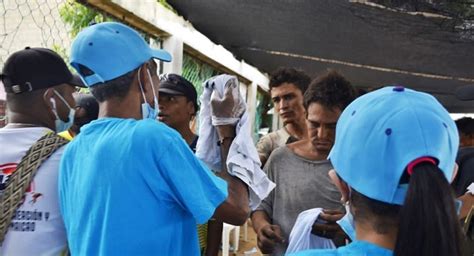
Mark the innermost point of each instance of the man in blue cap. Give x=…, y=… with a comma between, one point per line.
x=138, y=189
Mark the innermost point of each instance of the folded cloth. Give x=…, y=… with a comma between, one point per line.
x=301, y=237
x=242, y=161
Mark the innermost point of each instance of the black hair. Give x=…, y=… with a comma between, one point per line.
x=290, y=75
x=427, y=222
x=115, y=88
x=381, y=216
x=331, y=90
x=465, y=125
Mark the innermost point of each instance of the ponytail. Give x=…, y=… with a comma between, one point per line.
x=428, y=223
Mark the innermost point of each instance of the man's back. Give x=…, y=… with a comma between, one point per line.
x=37, y=227
x=133, y=187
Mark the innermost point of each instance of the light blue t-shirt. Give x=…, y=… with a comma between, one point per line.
x=356, y=248
x=130, y=187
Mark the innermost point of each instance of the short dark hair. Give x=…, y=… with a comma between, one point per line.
x=465, y=125
x=290, y=75
x=331, y=90
x=381, y=216
x=115, y=88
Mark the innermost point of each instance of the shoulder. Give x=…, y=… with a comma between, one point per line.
x=150, y=128
x=280, y=154
x=267, y=138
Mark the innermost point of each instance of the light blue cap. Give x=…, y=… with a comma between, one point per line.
x=380, y=133
x=110, y=50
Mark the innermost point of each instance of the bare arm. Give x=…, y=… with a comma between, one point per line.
x=235, y=209
x=214, y=236
x=268, y=235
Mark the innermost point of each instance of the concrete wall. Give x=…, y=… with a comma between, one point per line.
x=34, y=23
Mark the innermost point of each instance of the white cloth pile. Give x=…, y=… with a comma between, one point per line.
x=242, y=161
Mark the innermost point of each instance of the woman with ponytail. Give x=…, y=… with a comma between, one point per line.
x=394, y=157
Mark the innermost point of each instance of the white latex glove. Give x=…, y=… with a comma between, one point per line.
x=227, y=108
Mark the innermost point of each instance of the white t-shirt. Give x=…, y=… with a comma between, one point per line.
x=37, y=227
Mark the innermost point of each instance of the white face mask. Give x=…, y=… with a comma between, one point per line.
x=147, y=110
x=59, y=123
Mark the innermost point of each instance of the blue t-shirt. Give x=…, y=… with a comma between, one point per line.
x=130, y=187
x=356, y=248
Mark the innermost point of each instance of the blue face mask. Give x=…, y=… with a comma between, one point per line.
x=59, y=123
x=147, y=110
x=347, y=224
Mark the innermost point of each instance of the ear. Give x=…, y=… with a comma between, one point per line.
x=191, y=109
x=341, y=185
x=50, y=103
x=142, y=77
x=49, y=100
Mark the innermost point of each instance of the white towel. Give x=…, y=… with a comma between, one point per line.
x=242, y=161
x=301, y=237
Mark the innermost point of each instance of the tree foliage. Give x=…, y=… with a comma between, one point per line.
x=79, y=16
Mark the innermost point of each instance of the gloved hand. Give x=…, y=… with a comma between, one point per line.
x=227, y=108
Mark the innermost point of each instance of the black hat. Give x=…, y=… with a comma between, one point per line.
x=177, y=85
x=89, y=103
x=36, y=68
x=465, y=92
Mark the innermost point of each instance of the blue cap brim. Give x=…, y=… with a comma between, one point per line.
x=161, y=55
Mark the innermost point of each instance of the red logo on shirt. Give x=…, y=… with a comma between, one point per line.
x=6, y=170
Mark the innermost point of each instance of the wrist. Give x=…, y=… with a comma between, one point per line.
x=225, y=131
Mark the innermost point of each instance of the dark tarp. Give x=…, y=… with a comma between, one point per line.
x=371, y=46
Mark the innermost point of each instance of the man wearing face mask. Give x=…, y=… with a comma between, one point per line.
x=139, y=189
x=39, y=89
x=86, y=111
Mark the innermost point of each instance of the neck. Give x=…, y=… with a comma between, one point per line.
x=297, y=130
x=304, y=148
x=187, y=134
x=121, y=108
x=18, y=120
x=365, y=232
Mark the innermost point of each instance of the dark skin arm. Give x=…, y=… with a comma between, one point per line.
x=268, y=235
x=330, y=229
x=214, y=236
x=235, y=209
x=467, y=203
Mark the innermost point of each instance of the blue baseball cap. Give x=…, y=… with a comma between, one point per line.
x=109, y=50
x=381, y=132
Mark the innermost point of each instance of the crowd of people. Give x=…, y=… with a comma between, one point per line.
x=117, y=170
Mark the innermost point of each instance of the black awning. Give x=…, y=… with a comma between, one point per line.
x=372, y=46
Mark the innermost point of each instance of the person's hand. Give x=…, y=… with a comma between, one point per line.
x=326, y=226
x=467, y=203
x=268, y=237
x=229, y=105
